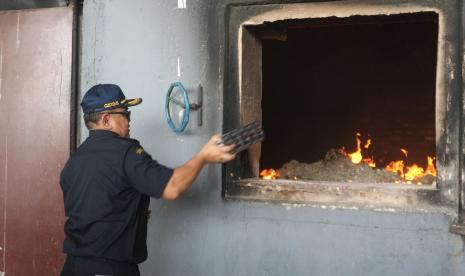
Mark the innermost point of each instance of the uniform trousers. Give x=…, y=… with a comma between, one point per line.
x=83, y=266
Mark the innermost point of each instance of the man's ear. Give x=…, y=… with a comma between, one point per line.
x=105, y=119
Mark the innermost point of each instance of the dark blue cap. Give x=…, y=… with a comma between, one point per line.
x=103, y=97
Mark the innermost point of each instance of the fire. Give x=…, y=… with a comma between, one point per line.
x=409, y=173
x=367, y=145
x=414, y=172
x=370, y=162
x=269, y=174
x=357, y=156
x=396, y=166
x=430, y=168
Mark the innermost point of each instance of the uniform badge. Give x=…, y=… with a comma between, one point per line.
x=140, y=151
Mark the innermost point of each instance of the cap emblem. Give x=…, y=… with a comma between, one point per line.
x=107, y=105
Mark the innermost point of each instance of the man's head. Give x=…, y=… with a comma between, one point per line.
x=106, y=107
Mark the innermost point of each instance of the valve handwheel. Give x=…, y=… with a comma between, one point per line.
x=186, y=105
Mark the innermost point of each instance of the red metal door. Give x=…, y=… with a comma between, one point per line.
x=35, y=97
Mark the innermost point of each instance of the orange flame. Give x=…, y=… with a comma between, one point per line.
x=409, y=173
x=370, y=162
x=414, y=172
x=269, y=174
x=356, y=156
x=396, y=166
x=430, y=168
x=367, y=145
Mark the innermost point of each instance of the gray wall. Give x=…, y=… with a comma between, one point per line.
x=136, y=44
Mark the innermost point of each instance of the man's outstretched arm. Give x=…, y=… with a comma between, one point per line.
x=184, y=176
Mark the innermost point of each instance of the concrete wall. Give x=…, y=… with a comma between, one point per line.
x=137, y=44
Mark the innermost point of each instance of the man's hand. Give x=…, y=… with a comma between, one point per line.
x=213, y=152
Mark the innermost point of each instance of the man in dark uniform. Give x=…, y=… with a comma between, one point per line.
x=107, y=184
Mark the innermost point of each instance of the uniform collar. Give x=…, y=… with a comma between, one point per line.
x=102, y=133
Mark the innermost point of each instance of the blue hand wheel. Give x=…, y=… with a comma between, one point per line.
x=186, y=106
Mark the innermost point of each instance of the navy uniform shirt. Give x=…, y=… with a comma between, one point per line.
x=107, y=184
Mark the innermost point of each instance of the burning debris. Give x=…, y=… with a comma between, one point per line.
x=269, y=174
x=341, y=166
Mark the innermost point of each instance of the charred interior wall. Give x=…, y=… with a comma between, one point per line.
x=139, y=44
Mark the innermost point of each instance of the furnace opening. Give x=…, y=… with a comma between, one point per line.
x=326, y=79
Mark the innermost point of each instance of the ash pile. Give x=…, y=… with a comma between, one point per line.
x=336, y=167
